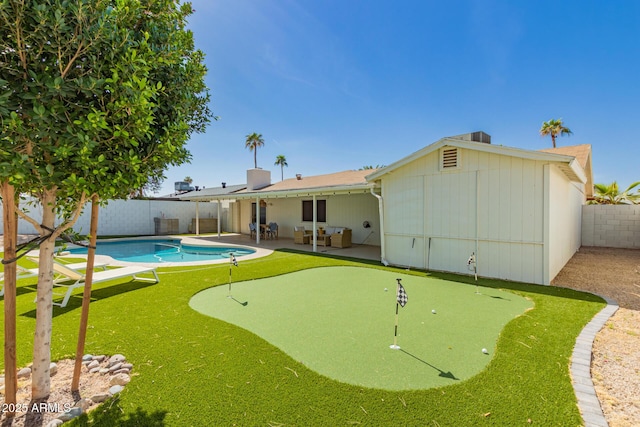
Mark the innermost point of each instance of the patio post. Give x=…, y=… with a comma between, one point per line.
x=197, y=218
x=315, y=225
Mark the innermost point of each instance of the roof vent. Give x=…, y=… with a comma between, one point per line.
x=224, y=185
x=449, y=158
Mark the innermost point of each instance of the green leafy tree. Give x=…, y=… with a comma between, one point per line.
x=611, y=194
x=97, y=97
x=188, y=179
x=252, y=142
x=554, y=128
x=281, y=161
x=364, y=168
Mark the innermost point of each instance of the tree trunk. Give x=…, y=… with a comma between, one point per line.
x=10, y=221
x=41, y=381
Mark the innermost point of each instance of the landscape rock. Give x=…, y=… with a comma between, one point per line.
x=100, y=397
x=53, y=369
x=116, y=358
x=115, y=367
x=100, y=358
x=116, y=389
x=120, y=379
x=83, y=404
x=71, y=414
x=93, y=364
x=87, y=358
x=24, y=373
x=55, y=422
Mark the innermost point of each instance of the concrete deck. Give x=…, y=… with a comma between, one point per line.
x=356, y=251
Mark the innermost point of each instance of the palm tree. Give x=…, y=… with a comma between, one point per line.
x=611, y=195
x=554, y=128
x=188, y=179
x=254, y=141
x=281, y=161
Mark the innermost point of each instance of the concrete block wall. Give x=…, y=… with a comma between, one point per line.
x=614, y=226
x=132, y=217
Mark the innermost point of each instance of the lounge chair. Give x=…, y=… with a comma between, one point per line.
x=78, y=278
x=24, y=273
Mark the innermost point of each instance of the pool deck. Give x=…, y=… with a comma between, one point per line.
x=264, y=248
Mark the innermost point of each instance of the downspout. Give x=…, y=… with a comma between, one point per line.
x=219, y=222
x=381, y=214
x=477, y=215
x=197, y=218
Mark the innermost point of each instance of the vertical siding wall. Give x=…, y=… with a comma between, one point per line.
x=492, y=205
x=614, y=226
x=342, y=211
x=132, y=217
x=565, y=209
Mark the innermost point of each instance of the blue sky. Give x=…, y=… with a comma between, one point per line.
x=335, y=85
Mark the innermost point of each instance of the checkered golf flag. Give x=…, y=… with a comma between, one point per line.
x=233, y=260
x=402, y=295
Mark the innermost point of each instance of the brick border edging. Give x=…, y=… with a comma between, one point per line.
x=580, y=369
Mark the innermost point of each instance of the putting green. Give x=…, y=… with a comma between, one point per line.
x=339, y=322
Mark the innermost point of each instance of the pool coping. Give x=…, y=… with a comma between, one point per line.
x=259, y=252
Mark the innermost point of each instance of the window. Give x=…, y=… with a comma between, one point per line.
x=321, y=210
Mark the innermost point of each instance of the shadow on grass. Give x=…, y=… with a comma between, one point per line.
x=111, y=414
x=96, y=294
x=441, y=373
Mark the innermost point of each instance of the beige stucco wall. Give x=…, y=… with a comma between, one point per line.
x=342, y=211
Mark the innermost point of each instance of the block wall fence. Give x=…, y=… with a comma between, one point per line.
x=614, y=226
x=133, y=217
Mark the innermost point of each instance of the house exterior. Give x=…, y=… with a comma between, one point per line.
x=341, y=199
x=518, y=211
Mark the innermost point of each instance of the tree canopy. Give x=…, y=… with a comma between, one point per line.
x=97, y=97
x=611, y=194
x=252, y=142
x=554, y=128
x=281, y=161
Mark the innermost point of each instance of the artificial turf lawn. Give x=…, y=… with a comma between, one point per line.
x=339, y=322
x=192, y=369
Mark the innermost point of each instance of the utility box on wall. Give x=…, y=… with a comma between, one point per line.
x=166, y=226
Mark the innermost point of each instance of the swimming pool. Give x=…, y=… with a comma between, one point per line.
x=166, y=250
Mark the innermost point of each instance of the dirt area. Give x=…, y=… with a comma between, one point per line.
x=615, y=362
x=60, y=399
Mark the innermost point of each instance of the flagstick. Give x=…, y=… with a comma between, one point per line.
x=395, y=345
x=395, y=334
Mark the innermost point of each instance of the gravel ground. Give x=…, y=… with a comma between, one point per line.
x=615, y=361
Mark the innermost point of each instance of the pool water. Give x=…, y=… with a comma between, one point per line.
x=169, y=250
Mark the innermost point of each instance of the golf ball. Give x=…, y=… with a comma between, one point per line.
x=484, y=350
x=385, y=289
x=433, y=311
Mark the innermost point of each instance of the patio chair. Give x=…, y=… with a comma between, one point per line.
x=301, y=236
x=24, y=273
x=272, y=230
x=252, y=230
x=78, y=279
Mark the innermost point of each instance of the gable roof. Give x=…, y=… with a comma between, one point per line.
x=567, y=163
x=582, y=153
